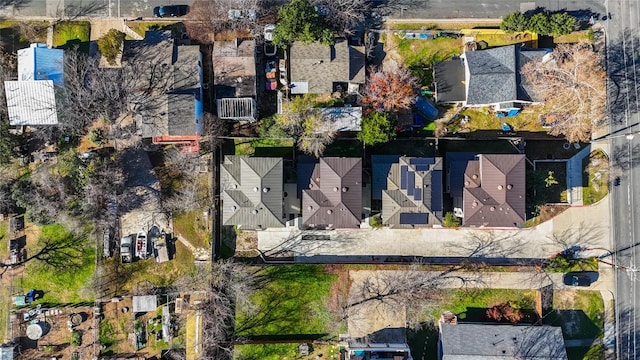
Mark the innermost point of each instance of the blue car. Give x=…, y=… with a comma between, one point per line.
x=170, y=10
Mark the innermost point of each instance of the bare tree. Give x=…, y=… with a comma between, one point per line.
x=390, y=91
x=214, y=129
x=307, y=125
x=572, y=86
x=346, y=15
x=209, y=17
x=228, y=285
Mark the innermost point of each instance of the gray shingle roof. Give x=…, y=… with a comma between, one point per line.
x=175, y=107
x=494, y=74
x=414, y=193
x=334, y=194
x=494, y=191
x=252, y=191
x=466, y=341
x=319, y=66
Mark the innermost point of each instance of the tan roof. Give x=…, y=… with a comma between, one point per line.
x=319, y=66
x=334, y=196
x=234, y=68
x=494, y=191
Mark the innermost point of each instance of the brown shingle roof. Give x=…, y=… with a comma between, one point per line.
x=494, y=191
x=321, y=66
x=334, y=196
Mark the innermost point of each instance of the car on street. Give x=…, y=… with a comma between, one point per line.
x=268, y=32
x=170, y=10
x=580, y=278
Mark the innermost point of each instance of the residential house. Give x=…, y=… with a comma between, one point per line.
x=490, y=77
x=38, y=62
x=455, y=166
x=413, y=195
x=144, y=303
x=6, y=352
x=331, y=190
x=494, y=191
x=171, y=111
x=234, y=69
x=31, y=100
x=252, y=194
x=478, y=341
x=321, y=69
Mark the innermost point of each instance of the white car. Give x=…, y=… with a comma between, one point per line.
x=245, y=14
x=268, y=32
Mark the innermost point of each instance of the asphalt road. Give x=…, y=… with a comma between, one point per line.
x=114, y=8
x=623, y=67
x=410, y=9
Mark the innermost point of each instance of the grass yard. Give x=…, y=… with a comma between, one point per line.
x=141, y=27
x=69, y=33
x=482, y=119
x=419, y=55
x=595, y=177
x=285, y=351
x=497, y=37
x=471, y=304
x=575, y=37
x=264, y=147
x=61, y=285
x=192, y=226
x=292, y=303
x=579, y=313
x=4, y=240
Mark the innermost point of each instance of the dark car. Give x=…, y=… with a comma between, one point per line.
x=584, y=278
x=170, y=10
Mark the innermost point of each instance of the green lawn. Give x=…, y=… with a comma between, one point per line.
x=4, y=240
x=575, y=37
x=495, y=38
x=419, y=55
x=442, y=26
x=264, y=147
x=482, y=119
x=579, y=313
x=471, y=304
x=595, y=177
x=285, y=351
x=61, y=285
x=70, y=33
x=192, y=227
x=292, y=302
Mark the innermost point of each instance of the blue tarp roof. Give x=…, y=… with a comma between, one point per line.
x=381, y=164
x=42, y=62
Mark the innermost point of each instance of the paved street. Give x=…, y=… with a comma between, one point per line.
x=622, y=59
x=102, y=8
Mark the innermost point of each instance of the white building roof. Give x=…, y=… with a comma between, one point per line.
x=145, y=303
x=31, y=102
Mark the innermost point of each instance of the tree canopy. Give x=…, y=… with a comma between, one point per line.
x=543, y=23
x=390, y=91
x=306, y=124
x=299, y=21
x=110, y=45
x=377, y=128
x=573, y=89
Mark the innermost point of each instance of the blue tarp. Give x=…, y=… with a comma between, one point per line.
x=426, y=109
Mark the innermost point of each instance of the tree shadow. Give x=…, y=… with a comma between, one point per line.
x=622, y=67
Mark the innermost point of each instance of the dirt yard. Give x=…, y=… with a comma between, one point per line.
x=56, y=341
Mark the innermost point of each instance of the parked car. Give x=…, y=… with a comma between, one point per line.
x=282, y=66
x=245, y=14
x=268, y=32
x=270, y=74
x=170, y=10
x=271, y=84
x=270, y=49
x=580, y=278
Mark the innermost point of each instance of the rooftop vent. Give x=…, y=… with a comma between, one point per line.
x=509, y=187
x=345, y=189
x=254, y=211
x=256, y=189
x=499, y=187
x=265, y=190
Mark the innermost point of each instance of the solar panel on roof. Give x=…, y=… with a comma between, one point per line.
x=436, y=190
x=422, y=168
x=403, y=176
x=417, y=194
x=414, y=218
x=411, y=183
x=424, y=161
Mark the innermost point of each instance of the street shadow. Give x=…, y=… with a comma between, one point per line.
x=625, y=157
x=622, y=67
x=423, y=342
x=575, y=324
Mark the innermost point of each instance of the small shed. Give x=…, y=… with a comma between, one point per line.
x=145, y=303
x=6, y=352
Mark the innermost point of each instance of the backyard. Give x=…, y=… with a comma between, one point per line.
x=554, y=176
x=194, y=227
x=579, y=313
x=470, y=120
